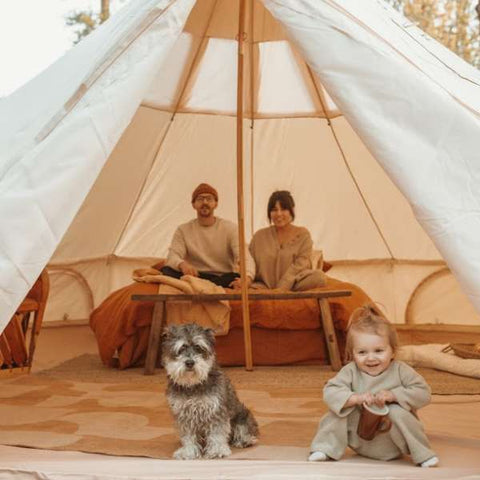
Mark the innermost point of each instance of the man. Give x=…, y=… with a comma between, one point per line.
x=207, y=247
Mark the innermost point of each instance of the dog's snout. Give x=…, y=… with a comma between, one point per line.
x=189, y=363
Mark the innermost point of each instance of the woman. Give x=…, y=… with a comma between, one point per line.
x=283, y=251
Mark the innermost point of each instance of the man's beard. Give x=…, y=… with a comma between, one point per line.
x=205, y=211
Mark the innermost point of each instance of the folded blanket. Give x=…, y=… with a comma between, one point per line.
x=215, y=315
x=431, y=356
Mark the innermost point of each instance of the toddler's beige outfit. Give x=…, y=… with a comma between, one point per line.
x=338, y=428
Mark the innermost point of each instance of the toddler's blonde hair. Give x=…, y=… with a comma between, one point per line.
x=369, y=319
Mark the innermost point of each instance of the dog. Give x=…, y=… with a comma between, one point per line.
x=208, y=413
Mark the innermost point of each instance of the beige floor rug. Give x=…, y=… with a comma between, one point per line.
x=80, y=405
x=133, y=418
x=88, y=368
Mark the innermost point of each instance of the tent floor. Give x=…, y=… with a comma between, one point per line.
x=456, y=439
x=458, y=463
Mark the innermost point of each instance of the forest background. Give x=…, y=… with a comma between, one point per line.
x=454, y=23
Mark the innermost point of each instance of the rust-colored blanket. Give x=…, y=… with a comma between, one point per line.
x=122, y=326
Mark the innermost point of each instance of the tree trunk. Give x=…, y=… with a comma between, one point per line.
x=105, y=10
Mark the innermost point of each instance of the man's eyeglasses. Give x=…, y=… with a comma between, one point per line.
x=205, y=198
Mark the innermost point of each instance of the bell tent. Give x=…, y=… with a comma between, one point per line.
x=371, y=124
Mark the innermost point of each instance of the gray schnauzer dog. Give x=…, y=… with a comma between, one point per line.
x=204, y=404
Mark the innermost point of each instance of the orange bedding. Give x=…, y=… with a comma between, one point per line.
x=276, y=347
x=122, y=326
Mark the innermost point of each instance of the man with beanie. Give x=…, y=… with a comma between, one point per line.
x=207, y=247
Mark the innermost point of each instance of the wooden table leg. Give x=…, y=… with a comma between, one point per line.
x=154, y=339
x=330, y=336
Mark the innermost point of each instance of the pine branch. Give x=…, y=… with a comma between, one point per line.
x=84, y=22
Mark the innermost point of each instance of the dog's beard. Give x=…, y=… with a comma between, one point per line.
x=188, y=377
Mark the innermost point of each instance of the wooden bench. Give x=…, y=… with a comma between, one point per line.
x=159, y=314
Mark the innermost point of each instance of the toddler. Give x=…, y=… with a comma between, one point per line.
x=373, y=377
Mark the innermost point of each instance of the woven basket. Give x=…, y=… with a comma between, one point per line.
x=464, y=350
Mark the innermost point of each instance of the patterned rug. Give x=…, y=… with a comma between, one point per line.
x=83, y=406
x=88, y=368
x=134, y=419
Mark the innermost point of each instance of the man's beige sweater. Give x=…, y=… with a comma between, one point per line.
x=212, y=249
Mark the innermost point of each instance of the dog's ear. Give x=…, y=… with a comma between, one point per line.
x=169, y=332
x=210, y=334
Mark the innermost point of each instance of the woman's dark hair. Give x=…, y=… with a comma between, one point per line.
x=285, y=199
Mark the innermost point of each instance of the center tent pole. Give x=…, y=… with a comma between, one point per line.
x=247, y=338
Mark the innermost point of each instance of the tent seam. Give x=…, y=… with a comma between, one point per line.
x=85, y=85
x=342, y=153
x=204, y=38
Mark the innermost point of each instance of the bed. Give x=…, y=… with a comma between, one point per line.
x=283, y=332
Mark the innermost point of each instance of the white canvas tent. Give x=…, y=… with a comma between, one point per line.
x=347, y=104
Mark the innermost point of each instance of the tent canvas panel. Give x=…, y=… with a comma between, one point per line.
x=416, y=107
x=58, y=154
x=110, y=202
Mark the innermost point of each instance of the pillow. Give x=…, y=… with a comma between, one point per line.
x=318, y=262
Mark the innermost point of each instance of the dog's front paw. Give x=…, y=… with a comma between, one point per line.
x=244, y=442
x=217, y=451
x=187, y=453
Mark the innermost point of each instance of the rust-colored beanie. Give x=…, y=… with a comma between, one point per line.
x=204, y=188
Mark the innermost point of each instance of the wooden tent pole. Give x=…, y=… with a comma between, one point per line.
x=240, y=200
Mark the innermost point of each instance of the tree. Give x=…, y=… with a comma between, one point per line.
x=455, y=23
x=86, y=21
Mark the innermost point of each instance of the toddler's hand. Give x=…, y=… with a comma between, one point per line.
x=359, y=399
x=366, y=397
x=384, y=396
